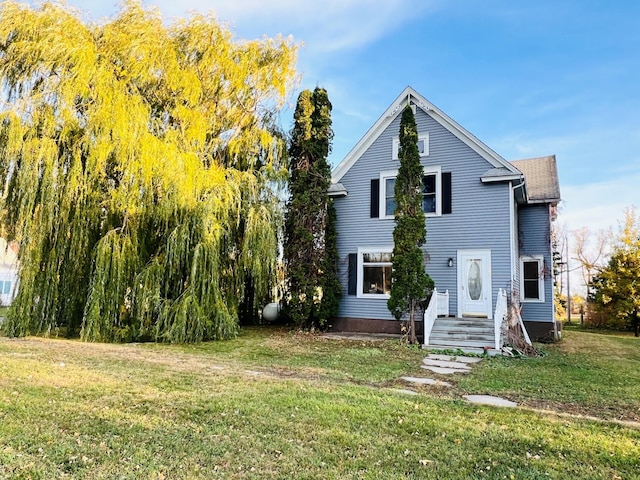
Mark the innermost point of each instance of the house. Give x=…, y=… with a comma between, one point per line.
x=8, y=271
x=488, y=230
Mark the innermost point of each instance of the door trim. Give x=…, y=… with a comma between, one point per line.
x=485, y=254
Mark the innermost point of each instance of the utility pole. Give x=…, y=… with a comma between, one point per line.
x=566, y=243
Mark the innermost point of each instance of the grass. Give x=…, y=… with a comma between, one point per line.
x=271, y=404
x=589, y=373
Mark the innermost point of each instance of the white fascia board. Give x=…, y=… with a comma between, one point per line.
x=505, y=178
x=462, y=134
x=372, y=134
x=409, y=94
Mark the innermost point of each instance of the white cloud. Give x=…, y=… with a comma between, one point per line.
x=599, y=205
x=327, y=26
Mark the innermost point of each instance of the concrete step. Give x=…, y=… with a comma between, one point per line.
x=459, y=343
x=450, y=333
x=475, y=350
x=461, y=330
x=451, y=336
x=463, y=322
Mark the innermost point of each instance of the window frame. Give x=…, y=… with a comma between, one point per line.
x=395, y=146
x=539, y=260
x=360, y=273
x=387, y=174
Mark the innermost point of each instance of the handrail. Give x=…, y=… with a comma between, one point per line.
x=500, y=316
x=430, y=315
x=443, y=304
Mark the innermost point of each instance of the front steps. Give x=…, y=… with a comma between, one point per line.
x=472, y=335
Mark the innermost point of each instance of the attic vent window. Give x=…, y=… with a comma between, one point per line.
x=423, y=145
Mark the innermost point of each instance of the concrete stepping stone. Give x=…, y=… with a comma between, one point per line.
x=490, y=400
x=405, y=391
x=445, y=364
x=445, y=370
x=426, y=381
x=454, y=358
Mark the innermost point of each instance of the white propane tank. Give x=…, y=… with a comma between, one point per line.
x=271, y=312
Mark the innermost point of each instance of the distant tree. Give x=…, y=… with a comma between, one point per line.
x=410, y=283
x=310, y=252
x=590, y=255
x=139, y=165
x=617, y=285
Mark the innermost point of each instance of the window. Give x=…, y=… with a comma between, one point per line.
x=429, y=193
x=532, y=279
x=374, y=272
x=431, y=185
x=7, y=287
x=423, y=146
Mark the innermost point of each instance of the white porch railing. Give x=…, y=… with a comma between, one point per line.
x=442, y=307
x=438, y=306
x=500, y=316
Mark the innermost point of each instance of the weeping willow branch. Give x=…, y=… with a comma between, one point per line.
x=140, y=165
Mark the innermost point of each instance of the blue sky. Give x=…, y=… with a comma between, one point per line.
x=527, y=78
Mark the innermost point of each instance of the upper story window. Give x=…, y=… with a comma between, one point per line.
x=532, y=279
x=423, y=145
x=431, y=198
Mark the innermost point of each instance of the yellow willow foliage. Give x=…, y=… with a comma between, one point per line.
x=140, y=165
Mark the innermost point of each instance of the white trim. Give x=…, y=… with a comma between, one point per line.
x=359, y=277
x=386, y=174
x=410, y=95
x=513, y=233
x=485, y=254
x=540, y=261
x=395, y=146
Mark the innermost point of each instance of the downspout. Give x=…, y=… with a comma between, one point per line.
x=514, y=228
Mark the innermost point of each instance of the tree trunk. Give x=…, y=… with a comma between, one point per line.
x=413, y=339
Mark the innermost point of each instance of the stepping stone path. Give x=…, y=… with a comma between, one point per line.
x=489, y=400
x=426, y=381
x=449, y=365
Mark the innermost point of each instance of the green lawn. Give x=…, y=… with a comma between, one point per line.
x=276, y=405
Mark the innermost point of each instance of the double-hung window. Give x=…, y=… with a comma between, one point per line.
x=431, y=196
x=532, y=279
x=374, y=272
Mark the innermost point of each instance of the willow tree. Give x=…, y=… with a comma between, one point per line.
x=410, y=282
x=140, y=163
x=310, y=251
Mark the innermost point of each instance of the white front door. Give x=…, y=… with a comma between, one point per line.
x=474, y=283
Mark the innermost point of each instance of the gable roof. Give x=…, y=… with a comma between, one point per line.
x=541, y=177
x=409, y=95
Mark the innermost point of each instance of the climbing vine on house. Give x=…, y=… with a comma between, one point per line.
x=410, y=283
x=142, y=165
x=310, y=249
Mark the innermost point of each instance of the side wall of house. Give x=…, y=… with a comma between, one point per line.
x=479, y=219
x=534, y=231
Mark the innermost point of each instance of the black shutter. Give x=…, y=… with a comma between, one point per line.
x=446, y=192
x=375, y=197
x=353, y=273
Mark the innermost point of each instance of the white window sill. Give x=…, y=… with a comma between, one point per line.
x=379, y=296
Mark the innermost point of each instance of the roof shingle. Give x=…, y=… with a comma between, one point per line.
x=541, y=177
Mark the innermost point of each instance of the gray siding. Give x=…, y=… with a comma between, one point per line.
x=479, y=220
x=535, y=239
